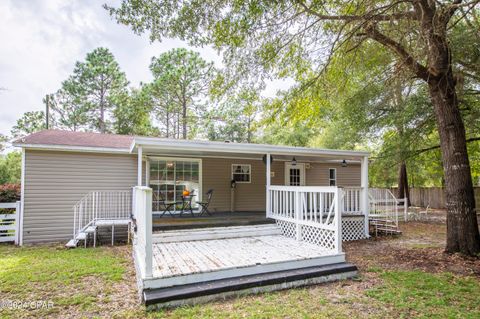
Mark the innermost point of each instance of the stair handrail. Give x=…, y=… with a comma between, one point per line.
x=96, y=205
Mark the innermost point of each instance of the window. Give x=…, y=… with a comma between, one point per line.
x=332, y=176
x=241, y=173
x=170, y=177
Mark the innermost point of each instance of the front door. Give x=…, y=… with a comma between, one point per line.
x=294, y=174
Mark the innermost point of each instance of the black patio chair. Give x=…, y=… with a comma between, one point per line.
x=205, y=204
x=167, y=206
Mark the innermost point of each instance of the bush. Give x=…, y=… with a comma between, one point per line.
x=10, y=168
x=10, y=193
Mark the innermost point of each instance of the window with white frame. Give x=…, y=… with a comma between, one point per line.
x=332, y=176
x=241, y=173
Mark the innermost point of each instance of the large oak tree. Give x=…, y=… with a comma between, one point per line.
x=298, y=39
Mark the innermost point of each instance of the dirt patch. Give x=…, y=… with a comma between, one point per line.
x=420, y=247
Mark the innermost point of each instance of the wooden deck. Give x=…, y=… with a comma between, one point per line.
x=218, y=219
x=181, y=258
x=178, y=261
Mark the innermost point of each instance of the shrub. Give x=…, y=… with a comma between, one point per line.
x=9, y=193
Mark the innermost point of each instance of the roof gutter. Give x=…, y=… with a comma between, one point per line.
x=66, y=148
x=241, y=148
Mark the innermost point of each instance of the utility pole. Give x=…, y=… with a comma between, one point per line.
x=47, y=97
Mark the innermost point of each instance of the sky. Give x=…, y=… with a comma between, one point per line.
x=42, y=40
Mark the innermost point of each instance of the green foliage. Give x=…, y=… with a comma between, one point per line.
x=235, y=118
x=350, y=92
x=67, y=107
x=3, y=142
x=29, y=123
x=132, y=115
x=99, y=82
x=10, y=168
x=181, y=80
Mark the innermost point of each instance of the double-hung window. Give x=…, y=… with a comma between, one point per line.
x=242, y=173
x=332, y=176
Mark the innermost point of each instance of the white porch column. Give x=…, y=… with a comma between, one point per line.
x=147, y=171
x=364, y=185
x=267, y=182
x=139, y=168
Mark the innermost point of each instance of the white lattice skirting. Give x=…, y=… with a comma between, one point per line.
x=353, y=228
x=321, y=237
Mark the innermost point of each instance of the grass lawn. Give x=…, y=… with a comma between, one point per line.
x=407, y=277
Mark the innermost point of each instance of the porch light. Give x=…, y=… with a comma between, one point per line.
x=294, y=161
x=264, y=159
x=344, y=163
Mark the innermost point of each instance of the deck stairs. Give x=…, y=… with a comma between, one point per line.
x=170, y=236
x=99, y=209
x=384, y=211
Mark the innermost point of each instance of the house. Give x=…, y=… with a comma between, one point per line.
x=276, y=212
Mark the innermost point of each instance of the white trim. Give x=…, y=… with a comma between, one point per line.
x=167, y=145
x=249, y=171
x=268, y=179
x=330, y=179
x=365, y=199
x=147, y=171
x=303, y=177
x=22, y=200
x=66, y=148
x=139, y=166
x=312, y=161
x=245, y=148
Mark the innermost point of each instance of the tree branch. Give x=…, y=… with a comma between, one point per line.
x=419, y=70
x=365, y=17
x=423, y=150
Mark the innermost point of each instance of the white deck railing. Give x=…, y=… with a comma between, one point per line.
x=308, y=213
x=101, y=205
x=383, y=205
x=142, y=244
x=352, y=201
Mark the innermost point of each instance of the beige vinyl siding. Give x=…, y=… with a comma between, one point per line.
x=318, y=174
x=251, y=196
x=55, y=181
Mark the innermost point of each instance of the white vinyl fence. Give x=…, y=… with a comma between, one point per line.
x=10, y=223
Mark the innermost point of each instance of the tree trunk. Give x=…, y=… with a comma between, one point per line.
x=403, y=189
x=184, y=119
x=462, y=227
x=168, y=122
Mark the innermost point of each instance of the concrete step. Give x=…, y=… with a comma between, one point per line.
x=72, y=243
x=215, y=233
x=217, y=289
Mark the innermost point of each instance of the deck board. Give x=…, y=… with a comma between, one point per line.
x=190, y=257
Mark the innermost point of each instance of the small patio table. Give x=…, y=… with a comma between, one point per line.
x=187, y=204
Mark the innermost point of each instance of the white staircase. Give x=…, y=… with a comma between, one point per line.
x=384, y=210
x=100, y=209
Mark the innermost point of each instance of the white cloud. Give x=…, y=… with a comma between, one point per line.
x=42, y=40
